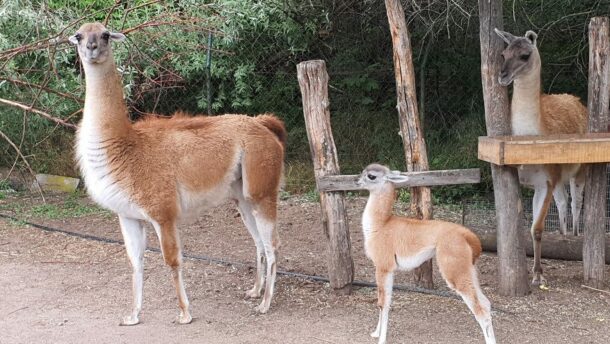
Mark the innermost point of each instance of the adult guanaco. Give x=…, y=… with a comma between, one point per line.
x=535, y=113
x=399, y=243
x=162, y=170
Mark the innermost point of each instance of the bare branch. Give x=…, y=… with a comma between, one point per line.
x=40, y=87
x=38, y=112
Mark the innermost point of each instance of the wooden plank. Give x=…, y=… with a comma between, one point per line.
x=594, y=248
x=512, y=268
x=313, y=81
x=410, y=127
x=422, y=178
x=554, y=149
x=554, y=245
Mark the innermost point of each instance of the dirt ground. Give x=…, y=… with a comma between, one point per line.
x=57, y=288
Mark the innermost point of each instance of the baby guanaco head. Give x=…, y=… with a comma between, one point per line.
x=375, y=176
x=520, y=56
x=93, y=42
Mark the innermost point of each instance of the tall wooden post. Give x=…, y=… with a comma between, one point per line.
x=512, y=266
x=595, y=189
x=410, y=126
x=313, y=81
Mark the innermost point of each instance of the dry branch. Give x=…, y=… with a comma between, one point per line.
x=40, y=87
x=38, y=112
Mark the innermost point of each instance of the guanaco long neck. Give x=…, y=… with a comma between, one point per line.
x=378, y=208
x=525, y=105
x=105, y=111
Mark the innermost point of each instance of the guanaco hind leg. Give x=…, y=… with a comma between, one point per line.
x=479, y=305
x=247, y=214
x=267, y=232
x=561, y=200
x=577, y=188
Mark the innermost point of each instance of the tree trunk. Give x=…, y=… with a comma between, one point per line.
x=512, y=268
x=410, y=126
x=596, y=184
x=313, y=81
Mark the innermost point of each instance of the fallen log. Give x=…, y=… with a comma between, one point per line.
x=554, y=245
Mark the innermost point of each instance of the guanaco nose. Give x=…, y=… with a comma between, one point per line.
x=91, y=45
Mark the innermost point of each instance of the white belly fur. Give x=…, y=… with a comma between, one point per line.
x=411, y=262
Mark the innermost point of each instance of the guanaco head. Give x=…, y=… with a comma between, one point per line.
x=376, y=176
x=520, y=56
x=93, y=42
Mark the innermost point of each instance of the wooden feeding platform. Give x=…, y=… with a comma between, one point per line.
x=553, y=149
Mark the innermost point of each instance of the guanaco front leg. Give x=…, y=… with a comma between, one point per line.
x=170, y=247
x=385, y=283
x=135, y=244
x=542, y=199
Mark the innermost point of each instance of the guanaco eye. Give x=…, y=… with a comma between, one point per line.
x=78, y=37
x=525, y=57
x=106, y=35
x=371, y=176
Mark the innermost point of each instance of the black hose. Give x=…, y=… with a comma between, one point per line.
x=225, y=262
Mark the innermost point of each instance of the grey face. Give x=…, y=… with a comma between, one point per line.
x=518, y=56
x=373, y=175
x=93, y=42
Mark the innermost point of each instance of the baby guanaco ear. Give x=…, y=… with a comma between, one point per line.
x=531, y=36
x=396, y=177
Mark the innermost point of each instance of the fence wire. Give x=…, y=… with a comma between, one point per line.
x=481, y=215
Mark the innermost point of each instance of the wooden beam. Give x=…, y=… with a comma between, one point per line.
x=410, y=126
x=554, y=245
x=512, y=268
x=313, y=81
x=422, y=178
x=554, y=149
x=594, y=250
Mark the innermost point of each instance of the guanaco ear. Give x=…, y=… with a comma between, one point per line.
x=117, y=36
x=73, y=39
x=396, y=177
x=531, y=36
x=506, y=36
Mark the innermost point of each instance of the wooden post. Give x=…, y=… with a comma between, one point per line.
x=512, y=268
x=410, y=127
x=595, y=189
x=313, y=81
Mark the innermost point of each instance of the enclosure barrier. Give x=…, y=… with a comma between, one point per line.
x=313, y=80
x=502, y=151
x=512, y=269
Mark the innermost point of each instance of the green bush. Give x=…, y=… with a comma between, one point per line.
x=256, y=46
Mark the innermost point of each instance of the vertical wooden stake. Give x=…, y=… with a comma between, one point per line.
x=410, y=126
x=313, y=81
x=595, y=189
x=512, y=266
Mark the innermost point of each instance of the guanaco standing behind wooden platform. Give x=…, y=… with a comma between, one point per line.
x=535, y=113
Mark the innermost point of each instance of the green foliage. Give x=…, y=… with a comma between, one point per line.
x=256, y=46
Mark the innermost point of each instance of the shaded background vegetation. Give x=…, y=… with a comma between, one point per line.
x=256, y=46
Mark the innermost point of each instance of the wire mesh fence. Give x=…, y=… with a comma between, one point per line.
x=481, y=215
